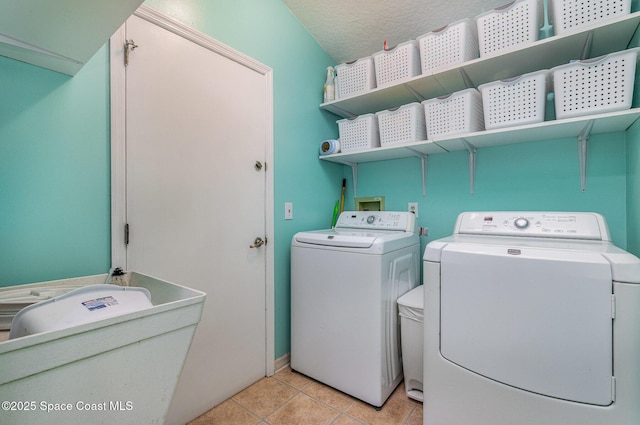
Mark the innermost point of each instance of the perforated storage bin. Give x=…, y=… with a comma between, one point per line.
x=457, y=113
x=509, y=25
x=359, y=133
x=515, y=101
x=398, y=63
x=603, y=84
x=401, y=125
x=356, y=77
x=456, y=43
x=569, y=14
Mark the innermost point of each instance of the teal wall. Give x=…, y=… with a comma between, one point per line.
x=633, y=189
x=54, y=159
x=54, y=172
x=531, y=176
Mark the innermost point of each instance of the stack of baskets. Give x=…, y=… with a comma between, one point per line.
x=598, y=85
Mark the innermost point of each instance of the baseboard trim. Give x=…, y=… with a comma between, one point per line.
x=282, y=362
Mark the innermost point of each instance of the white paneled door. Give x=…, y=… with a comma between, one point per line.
x=198, y=138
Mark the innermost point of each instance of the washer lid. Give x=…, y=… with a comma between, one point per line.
x=347, y=239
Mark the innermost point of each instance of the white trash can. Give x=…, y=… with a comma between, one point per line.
x=411, y=309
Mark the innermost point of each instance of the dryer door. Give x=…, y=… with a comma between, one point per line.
x=536, y=319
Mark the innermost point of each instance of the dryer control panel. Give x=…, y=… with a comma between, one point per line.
x=564, y=225
x=377, y=220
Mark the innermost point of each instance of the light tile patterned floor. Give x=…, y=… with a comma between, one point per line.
x=289, y=398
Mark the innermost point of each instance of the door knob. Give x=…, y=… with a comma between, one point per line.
x=258, y=242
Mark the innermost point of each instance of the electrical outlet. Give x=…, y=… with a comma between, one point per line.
x=413, y=207
x=288, y=211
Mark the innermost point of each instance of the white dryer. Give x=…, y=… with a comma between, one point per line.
x=531, y=318
x=344, y=286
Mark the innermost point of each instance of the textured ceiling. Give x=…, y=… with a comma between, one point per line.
x=351, y=29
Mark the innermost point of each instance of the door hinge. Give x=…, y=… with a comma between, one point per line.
x=613, y=306
x=129, y=46
x=126, y=234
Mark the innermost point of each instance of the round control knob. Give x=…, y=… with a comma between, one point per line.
x=521, y=223
x=371, y=219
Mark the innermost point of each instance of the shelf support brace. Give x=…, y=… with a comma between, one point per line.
x=465, y=77
x=415, y=93
x=343, y=112
x=472, y=164
x=583, y=153
x=586, y=49
x=423, y=160
x=354, y=173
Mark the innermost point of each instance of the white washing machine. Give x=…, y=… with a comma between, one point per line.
x=344, y=286
x=531, y=318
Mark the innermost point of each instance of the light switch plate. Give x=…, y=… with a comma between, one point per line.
x=288, y=210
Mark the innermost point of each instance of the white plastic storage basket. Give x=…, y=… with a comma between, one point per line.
x=569, y=14
x=401, y=125
x=359, y=133
x=398, y=63
x=603, y=84
x=456, y=43
x=457, y=113
x=510, y=25
x=356, y=77
x=515, y=101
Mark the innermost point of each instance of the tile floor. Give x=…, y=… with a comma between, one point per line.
x=289, y=398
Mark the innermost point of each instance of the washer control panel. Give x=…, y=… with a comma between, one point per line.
x=565, y=225
x=377, y=220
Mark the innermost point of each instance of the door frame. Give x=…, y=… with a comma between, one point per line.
x=118, y=152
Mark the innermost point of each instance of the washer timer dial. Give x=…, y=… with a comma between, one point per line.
x=521, y=223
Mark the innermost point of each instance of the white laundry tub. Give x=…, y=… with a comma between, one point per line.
x=121, y=369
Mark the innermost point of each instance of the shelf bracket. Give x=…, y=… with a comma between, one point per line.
x=583, y=153
x=472, y=164
x=342, y=112
x=354, y=173
x=423, y=160
x=586, y=49
x=465, y=77
x=415, y=93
